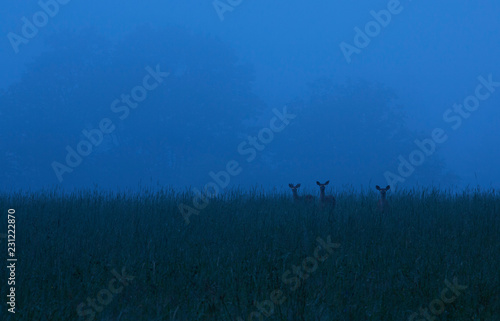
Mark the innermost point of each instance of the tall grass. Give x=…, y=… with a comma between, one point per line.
x=233, y=255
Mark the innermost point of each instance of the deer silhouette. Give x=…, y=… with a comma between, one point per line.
x=383, y=204
x=325, y=200
x=306, y=198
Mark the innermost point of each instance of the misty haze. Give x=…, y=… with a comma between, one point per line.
x=250, y=160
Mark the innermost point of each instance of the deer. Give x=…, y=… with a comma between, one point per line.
x=325, y=199
x=307, y=198
x=383, y=204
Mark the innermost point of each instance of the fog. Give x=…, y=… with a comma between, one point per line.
x=223, y=94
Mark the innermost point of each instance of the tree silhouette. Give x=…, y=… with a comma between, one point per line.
x=185, y=128
x=350, y=133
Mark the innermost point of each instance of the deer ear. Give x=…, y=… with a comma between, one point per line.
x=377, y=187
x=298, y=185
x=290, y=185
x=327, y=182
x=318, y=183
x=388, y=187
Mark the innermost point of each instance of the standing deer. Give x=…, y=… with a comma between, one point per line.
x=307, y=198
x=383, y=204
x=328, y=200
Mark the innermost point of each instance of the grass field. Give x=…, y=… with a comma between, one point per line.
x=249, y=255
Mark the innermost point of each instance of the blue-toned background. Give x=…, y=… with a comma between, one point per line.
x=245, y=93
